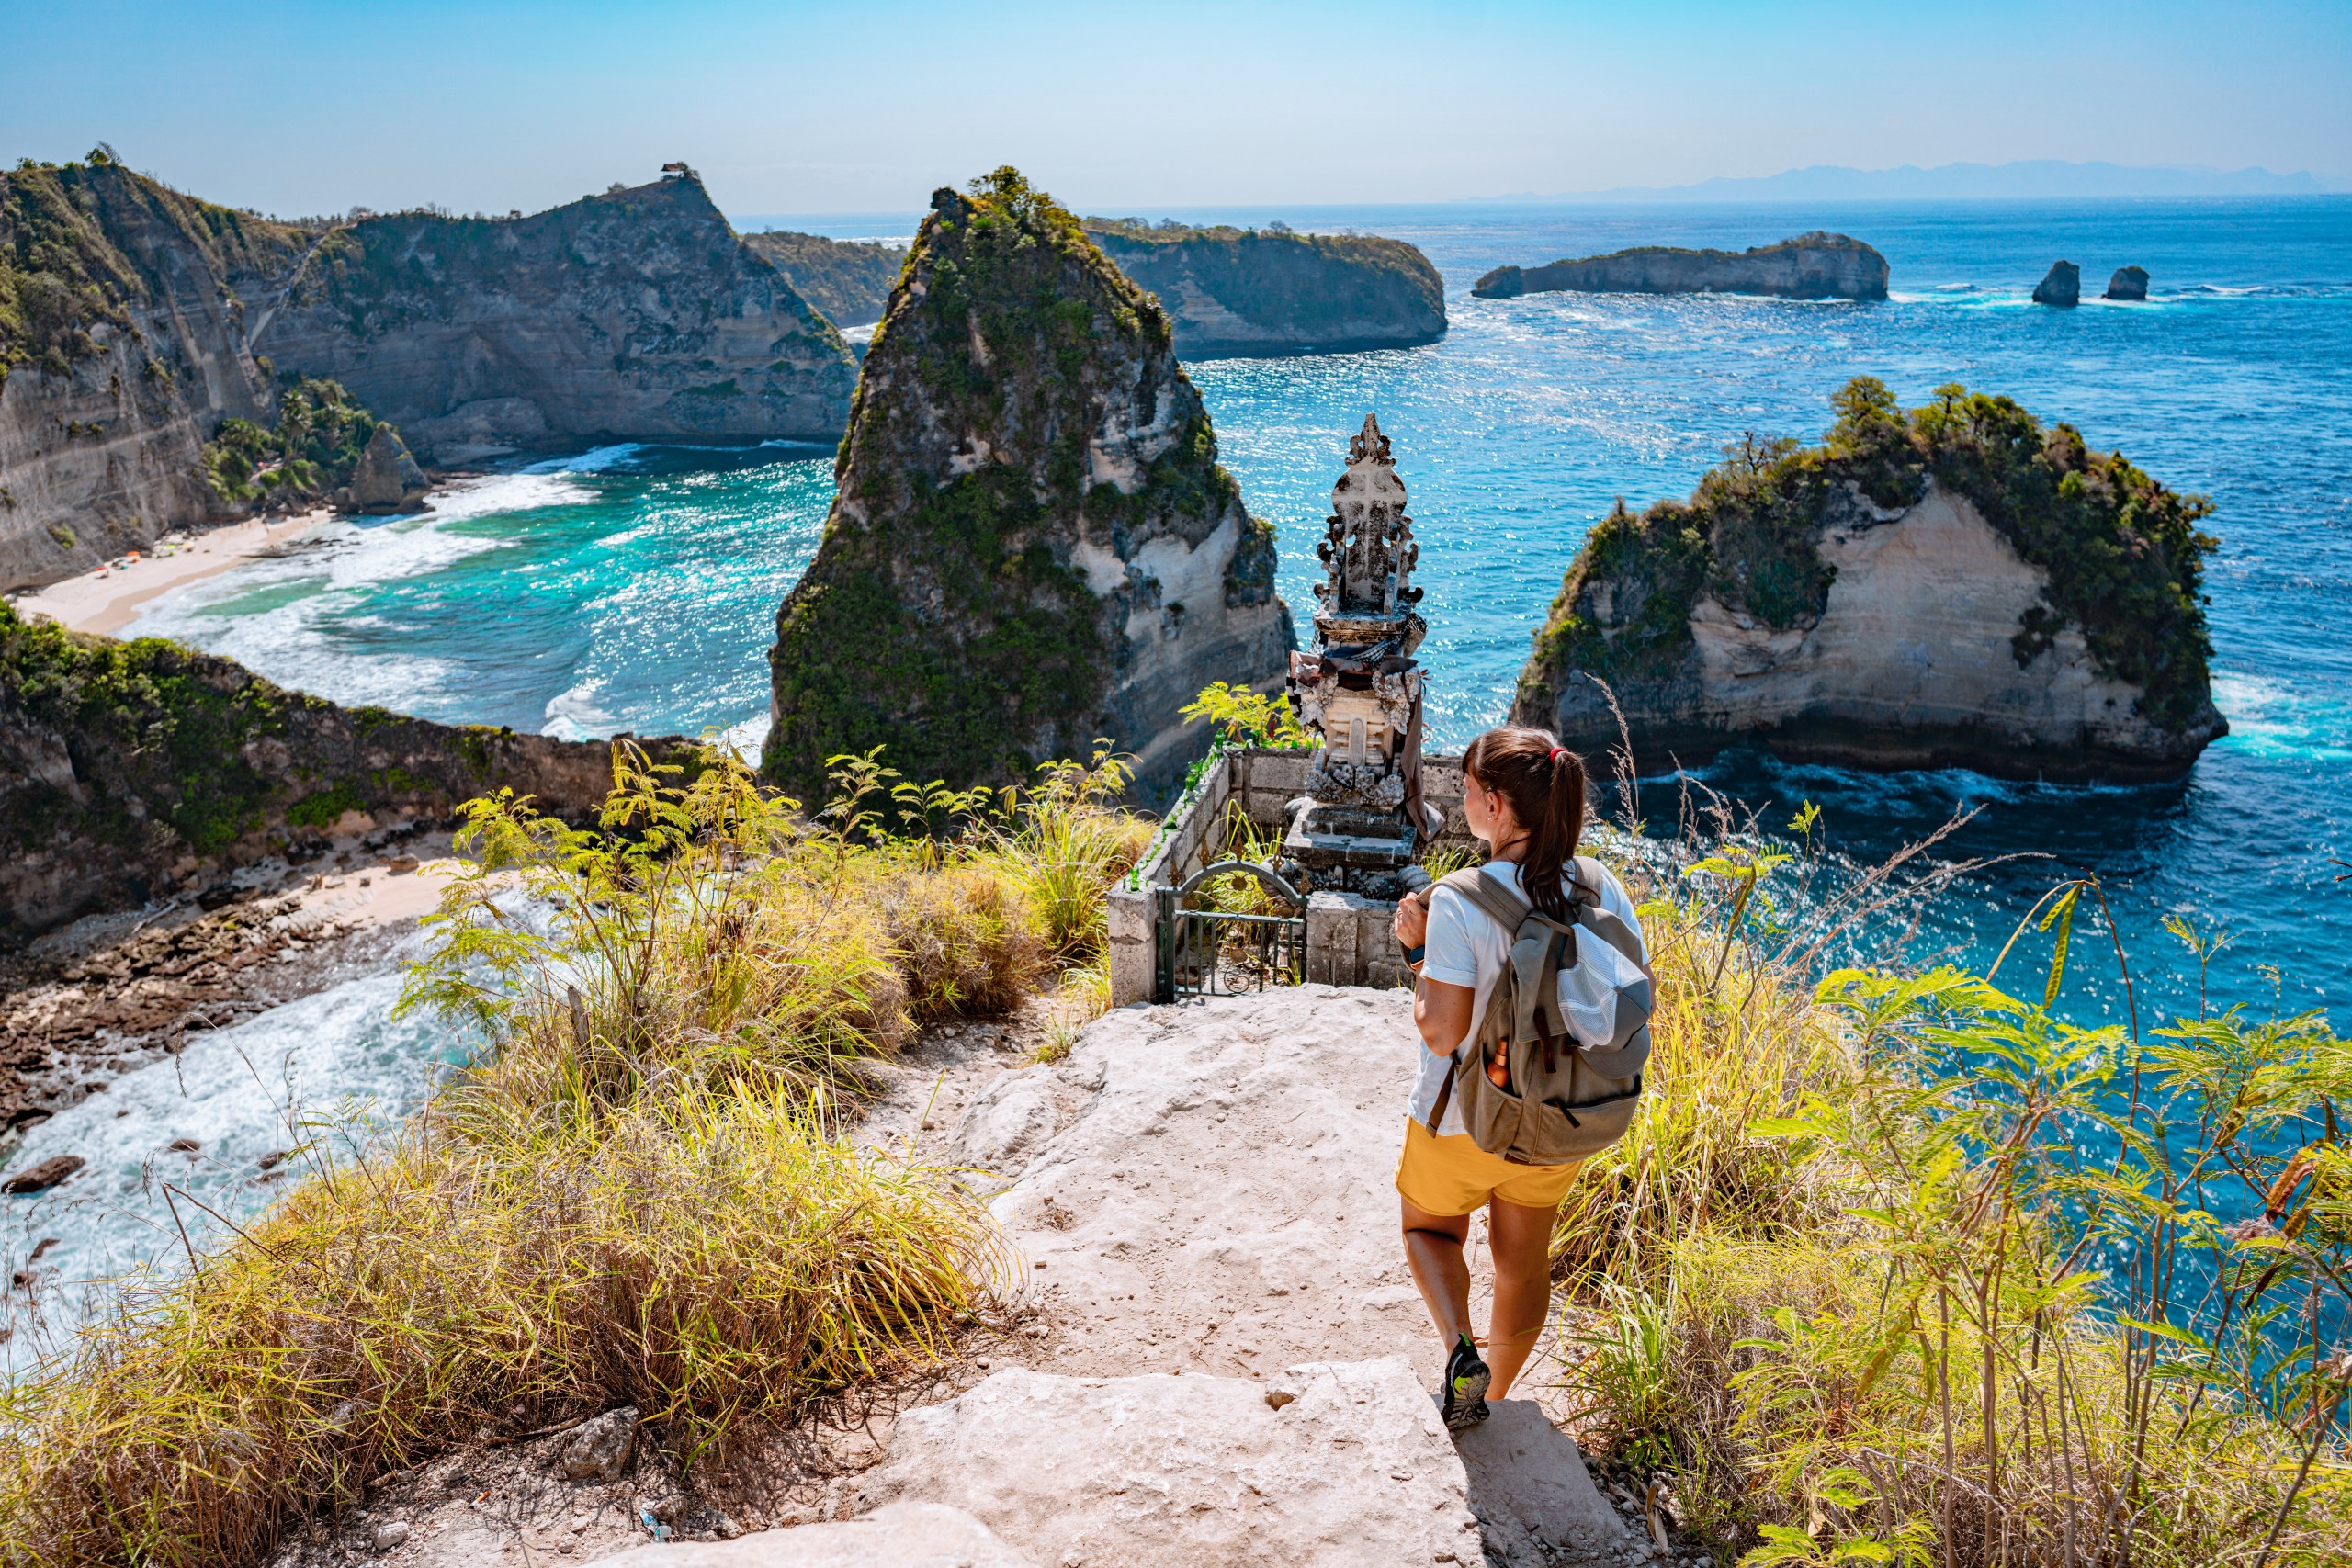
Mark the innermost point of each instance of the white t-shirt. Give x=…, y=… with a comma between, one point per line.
x=1466, y=948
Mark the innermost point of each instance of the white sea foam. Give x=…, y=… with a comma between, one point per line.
x=748, y=739
x=328, y=1073
x=573, y=714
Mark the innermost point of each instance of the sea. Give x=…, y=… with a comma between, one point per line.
x=633, y=588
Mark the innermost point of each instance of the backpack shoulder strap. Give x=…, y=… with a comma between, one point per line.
x=1490, y=898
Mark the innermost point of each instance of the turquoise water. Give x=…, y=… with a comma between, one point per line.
x=633, y=588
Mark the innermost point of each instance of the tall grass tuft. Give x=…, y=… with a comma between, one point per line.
x=638, y=1193
x=1905, y=1268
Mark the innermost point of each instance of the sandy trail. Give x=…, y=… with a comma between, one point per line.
x=106, y=601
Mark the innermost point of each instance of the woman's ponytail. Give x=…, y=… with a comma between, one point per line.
x=1544, y=780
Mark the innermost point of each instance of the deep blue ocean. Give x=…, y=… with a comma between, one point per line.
x=634, y=588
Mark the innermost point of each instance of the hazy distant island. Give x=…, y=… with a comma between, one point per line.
x=1817, y=265
x=1273, y=290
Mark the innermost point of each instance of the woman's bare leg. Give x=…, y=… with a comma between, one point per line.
x=1434, y=1251
x=1521, y=1239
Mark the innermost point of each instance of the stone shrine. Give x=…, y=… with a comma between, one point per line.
x=1358, y=690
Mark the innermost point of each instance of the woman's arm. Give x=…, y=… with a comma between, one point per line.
x=1441, y=1012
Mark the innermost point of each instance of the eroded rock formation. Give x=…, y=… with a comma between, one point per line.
x=128, y=769
x=122, y=348
x=2129, y=283
x=1818, y=265
x=1238, y=291
x=1959, y=587
x=635, y=315
x=2062, y=285
x=1032, y=544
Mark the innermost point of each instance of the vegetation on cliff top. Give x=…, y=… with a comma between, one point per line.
x=1304, y=286
x=2124, y=555
x=78, y=251
x=1901, y=1267
x=849, y=281
x=942, y=615
x=639, y=1192
x=320, y=432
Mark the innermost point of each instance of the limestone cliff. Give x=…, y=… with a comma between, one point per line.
x=849, y=281
x=1959, y=587
x=635, y=314
x=1817, y=265
x=1032, y=544
x=122, y=347
x=129, y=769
x=1237, y=291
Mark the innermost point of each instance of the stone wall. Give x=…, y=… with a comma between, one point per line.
x=1347, y=938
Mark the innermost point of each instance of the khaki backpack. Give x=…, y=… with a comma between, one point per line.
x=1570, y=1097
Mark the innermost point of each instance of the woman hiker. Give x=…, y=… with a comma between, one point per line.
x=1523, y=794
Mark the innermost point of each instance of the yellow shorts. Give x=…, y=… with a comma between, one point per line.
x=1452, y=1175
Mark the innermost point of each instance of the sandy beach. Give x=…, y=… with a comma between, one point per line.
x=108, y=600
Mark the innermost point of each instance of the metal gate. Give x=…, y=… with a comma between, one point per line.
x=1205, y=953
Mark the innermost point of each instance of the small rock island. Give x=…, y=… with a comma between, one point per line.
x=1818, y=265
x=1241, y=291
x=1956, y=586
x=2129, y=283
x=1032, y=544
x=2061, y=285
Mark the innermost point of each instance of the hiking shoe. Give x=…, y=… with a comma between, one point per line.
x=1463, y=1400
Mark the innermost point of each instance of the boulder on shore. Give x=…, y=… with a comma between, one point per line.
x=2129, y=283
x=1959, y=586
x=1818, y=265
x=387, y=477
x=1032, y=545
x=2063, y=285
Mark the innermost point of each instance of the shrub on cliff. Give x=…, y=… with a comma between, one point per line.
x=2123, y=554
x=640, y=1192
x=1902, y=1268
x=310, y=451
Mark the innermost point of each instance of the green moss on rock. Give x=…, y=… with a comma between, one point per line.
x=2123, y=554
x=950, y=613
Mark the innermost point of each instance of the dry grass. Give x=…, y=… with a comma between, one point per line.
x=1851, y=1284
x=639, y=1194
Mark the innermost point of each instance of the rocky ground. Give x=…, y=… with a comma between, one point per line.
x=1210, y=1351
x=113, y=992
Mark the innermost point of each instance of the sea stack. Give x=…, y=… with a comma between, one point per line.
x=1818, y=265
x=2129, y=283
x=1030, y=544
x=2063, y=285
x=1955, y=587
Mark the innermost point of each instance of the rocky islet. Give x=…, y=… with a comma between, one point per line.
x=1817, y=266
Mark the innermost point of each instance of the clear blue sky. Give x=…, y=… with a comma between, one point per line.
x=310, y=106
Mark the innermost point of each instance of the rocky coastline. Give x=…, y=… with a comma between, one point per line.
x=1818, y=265
x=635, y=315
x=1232, y=291
x=1956, y=586
x=1032, y=545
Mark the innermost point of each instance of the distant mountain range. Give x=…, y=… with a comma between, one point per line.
x=2044, y=178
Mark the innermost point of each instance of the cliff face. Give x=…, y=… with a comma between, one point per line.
x=1956, y=588
x=635, y=315
x=1235, y=291
x=122, y=347
x=1032, y=544
x=129, y=769
x=849, y=281
x=1811, y=266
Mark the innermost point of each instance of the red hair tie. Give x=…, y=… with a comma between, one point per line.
x=1558, y=753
